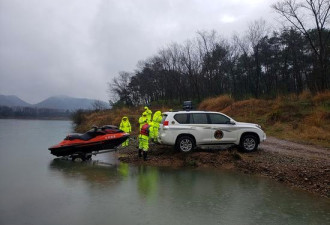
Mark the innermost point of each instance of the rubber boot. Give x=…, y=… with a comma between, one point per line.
x=145, y=153
x=140, y=153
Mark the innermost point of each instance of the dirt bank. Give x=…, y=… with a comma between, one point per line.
x=302, y=166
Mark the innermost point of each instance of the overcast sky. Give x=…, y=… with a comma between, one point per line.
x=75, y=47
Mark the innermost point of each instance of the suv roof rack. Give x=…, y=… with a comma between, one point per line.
x=187, y=105
x=183, y=110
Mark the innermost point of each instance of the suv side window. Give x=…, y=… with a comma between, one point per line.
x=181, y=118
x=198, y=118
x=219, y=119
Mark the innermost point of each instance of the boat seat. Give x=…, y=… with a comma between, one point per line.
x=84, y=137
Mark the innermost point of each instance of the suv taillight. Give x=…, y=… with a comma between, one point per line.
x=165, y=123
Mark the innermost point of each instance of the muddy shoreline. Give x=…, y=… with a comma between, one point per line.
x=301, y=166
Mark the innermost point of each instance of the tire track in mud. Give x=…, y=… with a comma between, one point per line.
x=290, y=148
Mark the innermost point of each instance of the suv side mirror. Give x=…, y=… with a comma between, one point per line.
x=232, y=122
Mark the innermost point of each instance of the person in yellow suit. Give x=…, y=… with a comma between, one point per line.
x=148, y=112
x=156, y=120
x=143, y=119
x=125, y=126
x=144, y=138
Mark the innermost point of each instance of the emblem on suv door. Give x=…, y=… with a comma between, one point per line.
x=218, y=134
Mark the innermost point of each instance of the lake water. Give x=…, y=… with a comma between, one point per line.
x=36, y=188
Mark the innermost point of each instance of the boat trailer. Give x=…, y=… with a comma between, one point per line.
x=81, y=156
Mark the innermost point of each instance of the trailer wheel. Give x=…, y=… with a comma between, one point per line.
x=79, y=157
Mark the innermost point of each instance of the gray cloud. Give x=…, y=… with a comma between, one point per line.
x=75, y=47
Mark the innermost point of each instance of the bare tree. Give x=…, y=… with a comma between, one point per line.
x=171, y=57
x=119, y=88
x=207, y=43
x=304, y=16
x=256, y=32
x=192, y=67
x=250, y=48
x=99, y=105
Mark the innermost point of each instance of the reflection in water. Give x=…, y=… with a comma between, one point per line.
x=148, y=182
x=90, y=171
x=123, y=169
x=106, y=174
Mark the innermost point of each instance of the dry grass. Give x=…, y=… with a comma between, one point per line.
x=313, y=134
x=248, y=108
x=319, y=118
x=305, y=95
x=322, y=98
x=216, y=104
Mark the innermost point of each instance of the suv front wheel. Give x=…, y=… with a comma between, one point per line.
x=249, y=143
x=185, y=144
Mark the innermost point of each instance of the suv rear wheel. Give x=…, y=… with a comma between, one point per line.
x=249, y=143
x=185, y=144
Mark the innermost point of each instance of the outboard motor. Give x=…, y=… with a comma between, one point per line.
x=187, y=105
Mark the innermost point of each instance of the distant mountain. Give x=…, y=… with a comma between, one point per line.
x=69, y=103
x=55, y=102
x=12, y=100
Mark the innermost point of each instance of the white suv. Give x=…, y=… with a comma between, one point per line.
x=187, y=130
